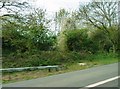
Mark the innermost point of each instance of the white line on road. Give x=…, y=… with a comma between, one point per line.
x=102, y=82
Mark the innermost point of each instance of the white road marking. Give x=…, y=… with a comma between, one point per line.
x=102, y=82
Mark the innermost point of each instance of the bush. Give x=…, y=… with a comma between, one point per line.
x=41, y=58
x=78, y=40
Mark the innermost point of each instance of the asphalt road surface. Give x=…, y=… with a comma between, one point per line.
x=113, y=83
x=102, y=76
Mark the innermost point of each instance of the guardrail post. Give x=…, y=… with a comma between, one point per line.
x=9, y=77
x=49, y=70
x=56, y=69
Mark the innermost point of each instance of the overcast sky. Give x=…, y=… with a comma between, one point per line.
x=55, y=5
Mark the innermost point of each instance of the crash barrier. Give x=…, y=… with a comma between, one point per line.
x=50, y=68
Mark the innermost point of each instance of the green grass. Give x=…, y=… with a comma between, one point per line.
x=91, y=61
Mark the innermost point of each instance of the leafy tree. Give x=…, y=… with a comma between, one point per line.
x=28, y=33
x=101, y=40
x=78, y=40
x=102, y=15
x=38, y=30
x=69, y=24
x=62, y=14
x=11, y=22
x=66, y=21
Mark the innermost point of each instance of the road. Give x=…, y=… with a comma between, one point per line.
x=113, y=83
x=81, y=78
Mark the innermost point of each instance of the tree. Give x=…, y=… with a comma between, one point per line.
x=78, y=40
x=102, y=15
x=9, y=5
x=11, y=25
x=62, y=14
x=38, y=30
x=11, y=10
x=66, y=21
x=69, y=24
x=28, y=33
x=12, y=37
x=102, y=42
x=11, y=14
x=10, y=21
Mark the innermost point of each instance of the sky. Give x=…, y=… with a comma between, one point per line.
x=52, y=6
x=55, y=5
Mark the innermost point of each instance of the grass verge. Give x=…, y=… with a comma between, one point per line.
x=91, y=61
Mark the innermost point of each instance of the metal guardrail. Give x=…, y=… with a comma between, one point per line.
x=30, y=68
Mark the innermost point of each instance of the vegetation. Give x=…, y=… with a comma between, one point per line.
x=91, y=61
x=89, y=35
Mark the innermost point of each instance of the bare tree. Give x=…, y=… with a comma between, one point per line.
x=11, y=10
x=12, y=5
x=62, y=14
x=102, y=15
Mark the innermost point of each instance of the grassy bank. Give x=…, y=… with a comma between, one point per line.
x=90, y=60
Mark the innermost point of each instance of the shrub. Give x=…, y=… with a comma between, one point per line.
x=78, y=40
x=41, y=58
